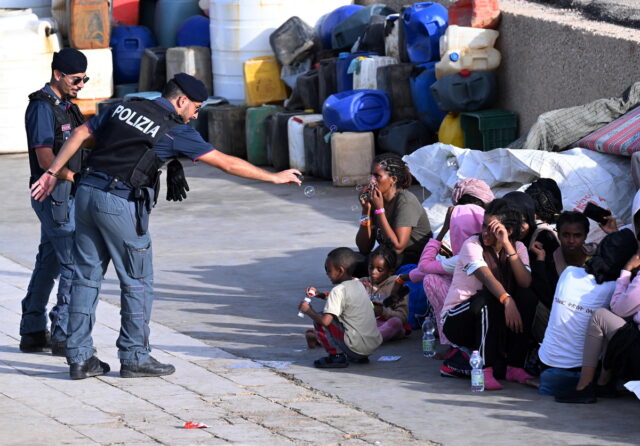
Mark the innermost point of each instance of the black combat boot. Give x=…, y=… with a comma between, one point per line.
x=150, y=367
x=38, y=341
x=90, y=367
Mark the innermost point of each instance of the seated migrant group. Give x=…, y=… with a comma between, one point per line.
x=511, y=277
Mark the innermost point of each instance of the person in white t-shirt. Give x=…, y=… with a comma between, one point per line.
x=579, y=293
x=347, y=327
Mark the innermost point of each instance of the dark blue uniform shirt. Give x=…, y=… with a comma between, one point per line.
x=181, y=140
x=40, y=121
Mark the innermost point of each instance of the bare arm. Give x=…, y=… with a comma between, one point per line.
x=45, y=158
x=241, y=168
x=45, y=184
x=511, y=313
x=323, y=319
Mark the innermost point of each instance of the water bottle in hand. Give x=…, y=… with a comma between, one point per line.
x=307, y=300
x=429, y=337
x=477, y=374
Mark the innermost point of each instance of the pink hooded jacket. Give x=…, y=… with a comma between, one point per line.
x=466, y=220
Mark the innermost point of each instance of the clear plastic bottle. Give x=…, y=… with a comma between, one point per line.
x=477, y=374
x=429, y=337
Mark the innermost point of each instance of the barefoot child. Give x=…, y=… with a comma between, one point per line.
x=346, y=328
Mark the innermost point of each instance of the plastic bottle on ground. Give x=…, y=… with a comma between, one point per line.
x=477, y=374
x=428, y=337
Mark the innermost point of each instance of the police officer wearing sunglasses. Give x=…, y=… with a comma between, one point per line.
x=114, y=198
x=50, y=119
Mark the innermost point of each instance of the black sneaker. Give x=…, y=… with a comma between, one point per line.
x=59, y=348
x=90, y=367
x=35, y=342
x=150, y=367
x=338, y=361
x=364, y=360
x=584, y=396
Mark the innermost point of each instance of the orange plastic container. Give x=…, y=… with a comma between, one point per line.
x=125, y=12
x=475, y=13
x=90, y=25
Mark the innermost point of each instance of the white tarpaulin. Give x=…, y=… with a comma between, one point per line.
x=583, y=176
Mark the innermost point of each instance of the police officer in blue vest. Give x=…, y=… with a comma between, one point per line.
x=115, y=195
x=49, y=120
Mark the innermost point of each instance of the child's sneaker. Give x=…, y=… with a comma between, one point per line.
x=490, y=383
x=338, y=361
x=517, y=375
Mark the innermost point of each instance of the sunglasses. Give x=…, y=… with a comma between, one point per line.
x=76, y=80
x=198, y=107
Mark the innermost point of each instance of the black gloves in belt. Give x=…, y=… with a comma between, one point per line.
x=177, y=185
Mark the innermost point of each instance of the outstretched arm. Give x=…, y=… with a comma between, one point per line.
x=241, y=168
x=42, y=188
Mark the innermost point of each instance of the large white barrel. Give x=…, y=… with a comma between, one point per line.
x=41, y=8
x=26, y=53
x=240, y=30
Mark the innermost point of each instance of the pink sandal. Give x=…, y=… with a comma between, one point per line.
x=517, y=375
x=490, y=383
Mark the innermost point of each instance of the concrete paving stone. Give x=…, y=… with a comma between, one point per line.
x=248, y=433
x=284, y=393
x=362, y=422
x=313, y=432
x=174, y=403
x=255, y=377
x=321, y=408
x=33, y=363
x=205, y=383
x=222, y=365
x=253, y=405
x=110, y=433
x=170, y=431
x=390, y=439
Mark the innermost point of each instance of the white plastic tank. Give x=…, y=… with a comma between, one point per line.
x=365, y=77
x=454, y=61
x=26, y=50
x=41, y=8
x=295, y=128
x=461, y=37
x=240, y=30
x=100, y=72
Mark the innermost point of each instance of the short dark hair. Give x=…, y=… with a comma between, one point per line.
x=509, y=216
x=572, y=217
x=171, y=90
x=388, y=255
x=344, y=257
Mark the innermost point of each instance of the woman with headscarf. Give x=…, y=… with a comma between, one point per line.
x=580, y=292
x=462, y=222
x=471, y=191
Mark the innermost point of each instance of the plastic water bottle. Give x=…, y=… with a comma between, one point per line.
x=307, y=300
x=477, y=374
x=428, y=338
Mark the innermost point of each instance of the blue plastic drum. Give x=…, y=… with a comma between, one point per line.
x=357, y=110
x=127, y=45
x=325, y=25
x=424, y=23
x=194, y=32
x=427, y=107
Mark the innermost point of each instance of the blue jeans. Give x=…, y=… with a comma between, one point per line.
x=106, y=231
x=54, y=259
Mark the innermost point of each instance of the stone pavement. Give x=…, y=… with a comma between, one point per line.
x=241, y=400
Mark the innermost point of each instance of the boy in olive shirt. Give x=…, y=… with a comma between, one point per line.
x=346, y=328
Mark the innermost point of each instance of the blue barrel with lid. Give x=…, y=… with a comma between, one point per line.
x=344, y=78
x=465, y=91
x=194, y=32
x=426, y=105
x=424, y=23
x=127, y=45
x=325, y=25
x=357, y=111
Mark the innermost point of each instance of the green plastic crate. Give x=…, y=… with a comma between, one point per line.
x=488, y=129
